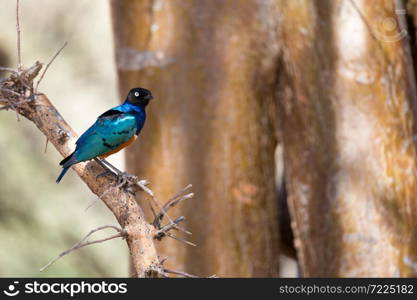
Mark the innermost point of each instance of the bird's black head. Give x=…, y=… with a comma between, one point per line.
x=139, y=97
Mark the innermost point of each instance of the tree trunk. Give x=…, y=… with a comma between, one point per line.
x=349, y=125
x=212, y=68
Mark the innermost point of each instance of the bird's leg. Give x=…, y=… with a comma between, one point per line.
x=122, y=177
x=107, y=171
x=113, y=168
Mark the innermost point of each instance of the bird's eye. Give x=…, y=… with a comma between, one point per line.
x=136, y=94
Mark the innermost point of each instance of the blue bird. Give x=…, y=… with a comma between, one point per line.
x=114, y=130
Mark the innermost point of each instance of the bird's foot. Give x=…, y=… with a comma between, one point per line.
x=131, y=182
x=126, y=181
x=124, y=177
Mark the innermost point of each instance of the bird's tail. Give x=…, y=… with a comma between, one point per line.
x=64, y=170
x=66, y=163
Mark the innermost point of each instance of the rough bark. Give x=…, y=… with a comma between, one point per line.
x=212, y=68
x=349, y=126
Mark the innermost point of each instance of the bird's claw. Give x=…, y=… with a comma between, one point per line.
x=125, y=178
x=131, y=183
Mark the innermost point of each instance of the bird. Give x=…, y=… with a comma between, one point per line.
x=113, y=130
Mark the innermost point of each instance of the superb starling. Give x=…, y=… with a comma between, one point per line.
x=114, y=130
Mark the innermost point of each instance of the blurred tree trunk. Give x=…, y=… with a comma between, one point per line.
x=349, y=134
x=212, y=68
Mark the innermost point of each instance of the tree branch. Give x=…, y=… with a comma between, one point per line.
x=47, y=66
x=82, y=243
x=17, y=93
x=19, y=55
x=122, y=203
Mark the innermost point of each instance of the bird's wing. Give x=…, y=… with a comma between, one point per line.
x=111, y=129
x=111, y=113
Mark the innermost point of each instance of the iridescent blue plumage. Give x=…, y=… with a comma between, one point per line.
x=113, y=130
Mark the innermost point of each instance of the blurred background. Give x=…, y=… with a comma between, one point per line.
x=38, y=218
x=295, y=121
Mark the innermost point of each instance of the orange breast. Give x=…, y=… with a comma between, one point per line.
x=130, y=141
